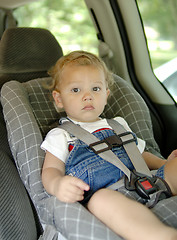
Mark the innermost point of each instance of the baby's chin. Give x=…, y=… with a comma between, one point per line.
x=84, y=119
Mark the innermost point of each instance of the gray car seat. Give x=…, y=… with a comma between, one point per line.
x=25, y=53
x=29, y=115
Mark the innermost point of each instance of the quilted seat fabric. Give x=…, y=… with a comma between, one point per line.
x=29, y=115
x=25, y=53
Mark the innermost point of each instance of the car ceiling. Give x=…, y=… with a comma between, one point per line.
x=11, y=4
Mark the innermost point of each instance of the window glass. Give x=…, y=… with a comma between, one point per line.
x=160, y=24
x=69, y=21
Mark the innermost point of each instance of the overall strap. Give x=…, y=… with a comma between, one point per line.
x=131, y=149
x=100, y=147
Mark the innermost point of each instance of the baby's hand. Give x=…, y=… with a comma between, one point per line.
x=172, y=155
x=71, y=189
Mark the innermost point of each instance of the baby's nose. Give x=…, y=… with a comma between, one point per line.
x=87, y=96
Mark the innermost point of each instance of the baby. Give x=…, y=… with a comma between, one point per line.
x=72, y=172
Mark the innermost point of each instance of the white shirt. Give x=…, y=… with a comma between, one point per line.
x=57, y=140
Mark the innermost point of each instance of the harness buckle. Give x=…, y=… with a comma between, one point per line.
x=111, y=141
x=143, y=185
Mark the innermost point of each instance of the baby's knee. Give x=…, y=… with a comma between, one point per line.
x=97, y=199
x=170, y=174
x=175, y=163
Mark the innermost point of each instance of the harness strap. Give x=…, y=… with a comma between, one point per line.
x=131, y=149
x=90, y=139
x=138, y=180
x=103, y=147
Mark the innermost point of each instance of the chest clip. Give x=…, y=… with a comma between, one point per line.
x=111, y=142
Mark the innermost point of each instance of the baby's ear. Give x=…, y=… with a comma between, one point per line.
x=108, y=92
x=57, y=98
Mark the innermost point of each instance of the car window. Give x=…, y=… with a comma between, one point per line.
x=160, y=25
x=69, y=21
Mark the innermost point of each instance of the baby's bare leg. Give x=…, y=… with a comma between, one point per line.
x=171, y=174
x=128, y=218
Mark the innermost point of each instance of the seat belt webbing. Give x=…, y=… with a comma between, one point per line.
x=89, y=138
x=100, y=147
x=131, y=149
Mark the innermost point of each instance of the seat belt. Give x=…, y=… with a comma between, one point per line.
x=140, y=180
x=100, y=147
x=131, y=149
x=103, y=148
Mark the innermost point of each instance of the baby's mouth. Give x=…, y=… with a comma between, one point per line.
x=88, y=107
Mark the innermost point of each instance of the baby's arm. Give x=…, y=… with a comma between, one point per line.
x=153, y=161
x=66, y=188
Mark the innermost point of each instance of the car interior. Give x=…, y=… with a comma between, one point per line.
x=27, y=114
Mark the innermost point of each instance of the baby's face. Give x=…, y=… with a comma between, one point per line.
x=83, y=93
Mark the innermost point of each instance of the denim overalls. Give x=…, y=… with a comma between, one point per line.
x=91, y=168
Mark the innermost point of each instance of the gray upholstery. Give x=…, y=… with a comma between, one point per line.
x=25, y=139
x=27, y=53
x=26, y=106
x=127, y=103
x=17, y=219
x=124, y=101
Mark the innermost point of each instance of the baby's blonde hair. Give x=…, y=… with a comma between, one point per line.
x=78, y=58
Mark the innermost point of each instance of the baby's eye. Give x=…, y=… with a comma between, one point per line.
x=96, y=89
x=75, y=90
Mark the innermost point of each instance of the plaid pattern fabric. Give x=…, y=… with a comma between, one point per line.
x=124, y=101
x=127, y=103
x=72, y=220
x=166, y=210
x=29, y=115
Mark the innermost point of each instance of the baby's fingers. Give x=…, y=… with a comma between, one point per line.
x=71, y=189
x=80, y=184
x=74, y=195
x=172, y=155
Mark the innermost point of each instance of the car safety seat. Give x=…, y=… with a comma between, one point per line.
x=25, y=53
x=29, y=114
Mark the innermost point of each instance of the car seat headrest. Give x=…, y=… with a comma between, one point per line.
x=27, y=51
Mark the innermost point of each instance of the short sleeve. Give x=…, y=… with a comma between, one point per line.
x=56, y=143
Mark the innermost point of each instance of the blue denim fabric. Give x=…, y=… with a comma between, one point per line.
x=160, y=172
x=91, y=168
